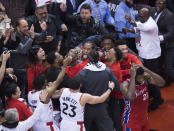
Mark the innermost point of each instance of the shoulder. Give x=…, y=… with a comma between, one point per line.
x=31, y=18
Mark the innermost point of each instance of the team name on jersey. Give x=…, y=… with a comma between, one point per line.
x=74, y=102
x=141, y=92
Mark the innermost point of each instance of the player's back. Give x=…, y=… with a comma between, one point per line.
x=136, y=110
x=70, y=106
x=46, y=121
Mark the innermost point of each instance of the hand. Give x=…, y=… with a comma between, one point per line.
x=48, y=39
x=9, y=70
x=5, y=56
x=128, y=17
x=43, y=96
x=111, y=84
x=67, y=61
x=125, y=30
x=7, y=32
x=64, y=27
x=43, y=25
x=63, y=7
x=31, y=32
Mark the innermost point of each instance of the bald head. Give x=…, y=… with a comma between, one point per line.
x=144, y=14
x=11, y=115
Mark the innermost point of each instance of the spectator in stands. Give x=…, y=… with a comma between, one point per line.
x=24, y=38
x=149, y=49
x=13, y=94
x=82, y=26
x=164, y=19
x=127, y=60
x=36, y=66
x=116, y=103
x=125, y=8
x=54, y=27
x=12, y=116
x=100, y=12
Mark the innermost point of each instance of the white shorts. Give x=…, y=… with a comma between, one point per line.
x=45, y=126
x=66, y=125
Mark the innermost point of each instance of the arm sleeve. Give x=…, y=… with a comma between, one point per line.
x=170, y=29
x=109, y=18
x=24, y=47
x=27, y=124
x=144, y=26
x=120, y=21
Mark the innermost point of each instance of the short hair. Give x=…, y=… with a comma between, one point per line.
x=51, y=57
x=118, y=53
x=17, y=23
x=11, y=115
x=74, y=83
x=140, y=71
x=11, y=89
x=86, y=7
x=39, y=82
x=93, y=57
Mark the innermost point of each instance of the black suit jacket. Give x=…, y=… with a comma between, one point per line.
x=166, y=26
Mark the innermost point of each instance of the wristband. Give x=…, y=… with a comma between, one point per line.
x=111, y=89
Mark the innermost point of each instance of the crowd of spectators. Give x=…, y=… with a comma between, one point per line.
x=47, y=44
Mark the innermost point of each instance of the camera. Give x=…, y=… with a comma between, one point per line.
x=5, y=50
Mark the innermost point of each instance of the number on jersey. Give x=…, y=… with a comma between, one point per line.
x=72, y=113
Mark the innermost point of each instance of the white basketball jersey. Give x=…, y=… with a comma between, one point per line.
x=46, y=121
x=71, y=109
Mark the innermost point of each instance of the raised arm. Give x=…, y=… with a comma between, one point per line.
x=51, y=89
x=90, y=99
x=5, y=57
x=128, y=89
x=152, y=77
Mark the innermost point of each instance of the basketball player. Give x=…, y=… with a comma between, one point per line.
x=135, y=116
x=46, y=121
x=72, y=103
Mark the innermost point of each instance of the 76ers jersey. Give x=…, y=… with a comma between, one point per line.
x=46, y=121
x=71, y=109
x=136, y=110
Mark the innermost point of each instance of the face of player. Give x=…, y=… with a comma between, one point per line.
x=41, y=54
x=107, y=44
x=124, y=50
x=85, y=15
x=140, y=79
